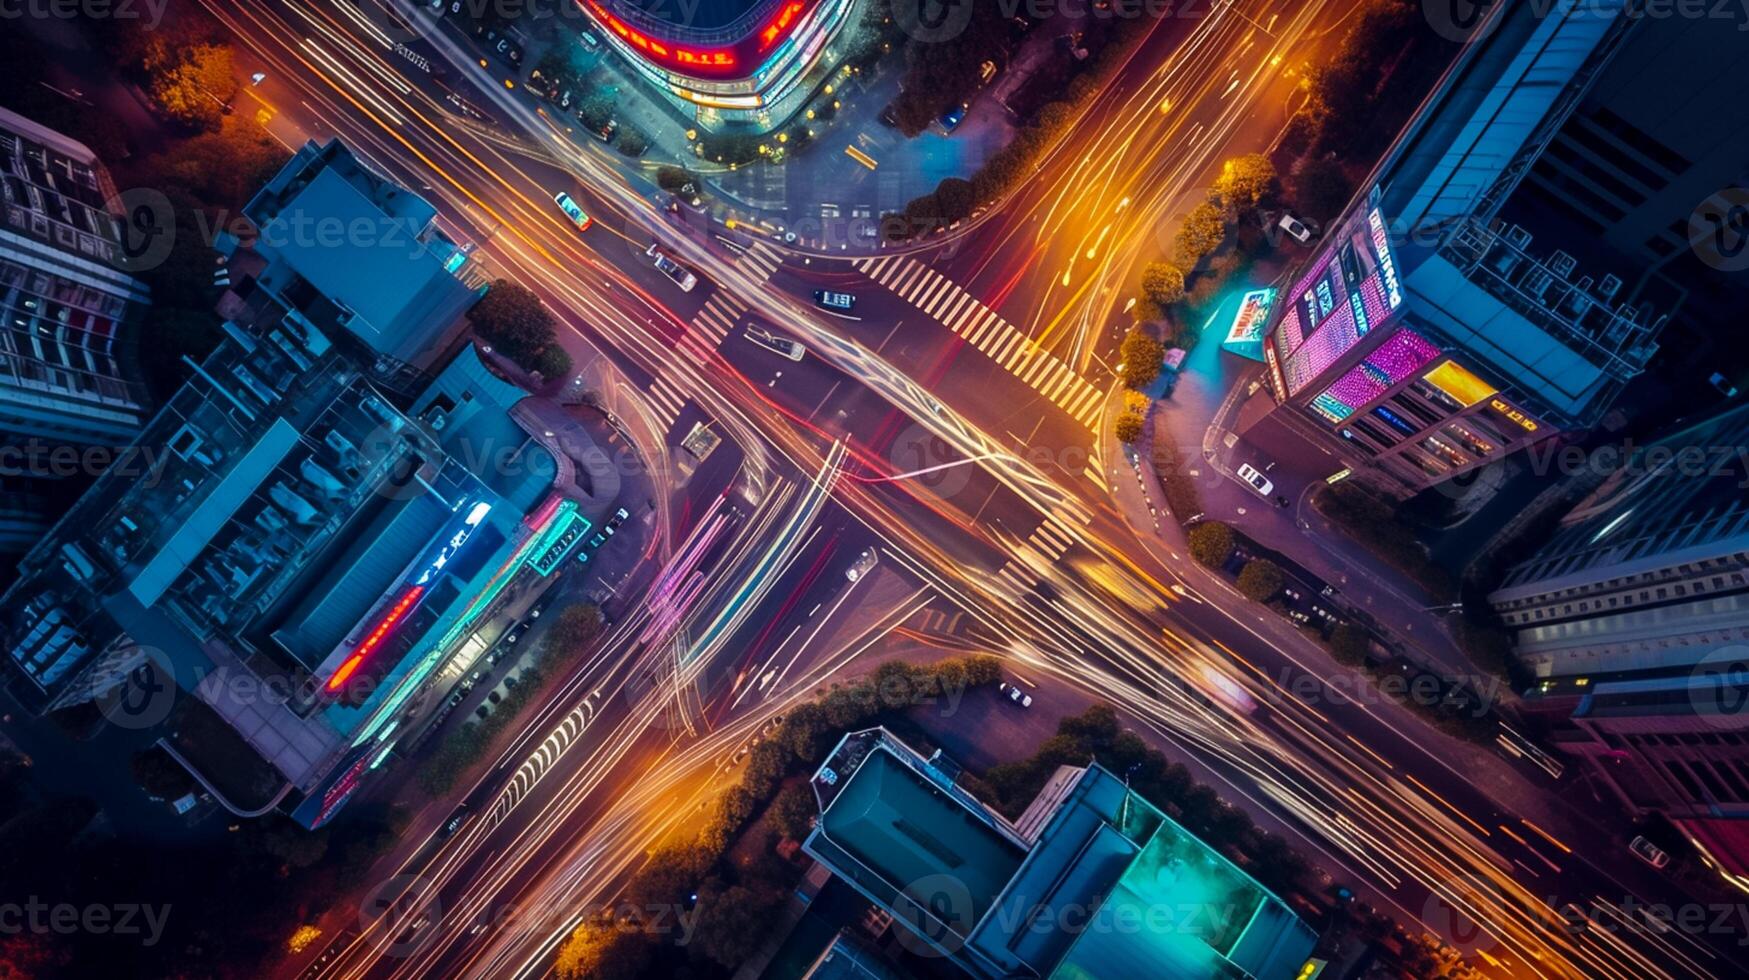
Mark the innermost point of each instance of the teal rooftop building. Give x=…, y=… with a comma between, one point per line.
x=1091, y=882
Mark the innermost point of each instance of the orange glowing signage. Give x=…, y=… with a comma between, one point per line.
x=729, y=61
x=384, y=625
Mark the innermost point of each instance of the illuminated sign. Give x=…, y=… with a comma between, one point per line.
x=1462, y=385
x=1381, y=243
x=705, y=61
x=1523, y=421
x=396, y=613
x=1245, y=336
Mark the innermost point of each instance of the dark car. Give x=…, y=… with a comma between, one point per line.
x=456, y=821
x=951, y=119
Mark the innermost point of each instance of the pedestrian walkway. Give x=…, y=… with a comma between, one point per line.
x=1050, y=540
x=944, y=301
x=709, y=328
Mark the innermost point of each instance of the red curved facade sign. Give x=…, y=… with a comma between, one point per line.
x=729, y=61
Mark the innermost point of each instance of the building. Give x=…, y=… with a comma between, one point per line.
x=1091, y=881
x=726, y=60
x=1519, y=249
x=1634, y=621
x=310, y=558
x=360, y=257
x=66, y=315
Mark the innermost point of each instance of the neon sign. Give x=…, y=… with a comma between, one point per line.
x=728, y=61
x=1381, y=243
x=396, y=613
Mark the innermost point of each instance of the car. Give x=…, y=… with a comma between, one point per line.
x=951, y=119
x=1303, y=232
x=831, y=300
x=605, y=132
x=597, y=540
x=1649, y=852
x=863, y=564
x=1015, y=695
x=1255, y=480
x=590, y=41
x=572, y=211
x=457, y=820
x=681, y=275
x=619, y=517
x=781, y=346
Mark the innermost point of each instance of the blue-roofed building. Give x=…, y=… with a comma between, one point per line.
x=1091, y=882
x=358, y=255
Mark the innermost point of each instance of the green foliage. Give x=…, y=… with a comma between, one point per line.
x=602, y=949
x=1141, y=355
x=575, y=627
x=192, y=85
x=162, y=777
x=1320, y=188
x=673, y=179
x=461, y=748
x=1349, y=644
x=1211, y=543
x=513, y=320
x=732, y=923
x=792, y=812
x=1162, y=284
x=1128, y=426
x=631, y=141
x=552, y=362
x=1261, y=580
x=1182, y=497
x=1201, y=233
x=1244, y=182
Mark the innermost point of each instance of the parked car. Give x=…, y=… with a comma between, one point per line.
x=1304, y=232
x=1649, y=852
x=951, y=119
x=457, y=820
x=619, y=517
x=1255, y=480
x=1015, y=695
x=681, y=275
x=781, y=346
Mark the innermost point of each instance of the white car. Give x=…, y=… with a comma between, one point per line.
x=1015, y=694
x=1300, y=231
x=572, y=211
x=864, y=562
x=782, y=346
x=681, y=275
x=1255, y=480
x=1649, y=852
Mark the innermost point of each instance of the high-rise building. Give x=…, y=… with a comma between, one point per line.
x=66, y=312
x=1092, y=881
x=1634, y=622
x=1507, y=271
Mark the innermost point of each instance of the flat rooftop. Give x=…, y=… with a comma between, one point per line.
x=911, y=834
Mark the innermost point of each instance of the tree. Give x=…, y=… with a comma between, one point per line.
x=1141, y=355
x=1211, y=543
x=195, y=87
x=1203, y=229
x=1349, y=645
x=576, y=626
x=767, y=763
x=672, y=179
x=512, y=319
x=956, y=198
x=1321, y=188
x=162, y=777
x=601, y=949
x=1260, y=579
x=732, y=923
x=1128, y=427
x=1244, y=182
x=1162, y=284
x=632, y=141
x=792, y=812
x=552, y=362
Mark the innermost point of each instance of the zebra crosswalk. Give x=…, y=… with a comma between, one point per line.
x=1050, y=539
x=762, y=259
x=666, y=402
x=944, y=301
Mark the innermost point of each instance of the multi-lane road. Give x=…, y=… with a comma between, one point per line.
x=991, y=359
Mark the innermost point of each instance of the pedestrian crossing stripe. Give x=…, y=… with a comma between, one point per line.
x=763, y=259
x=943, y=300
x=666, y=401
